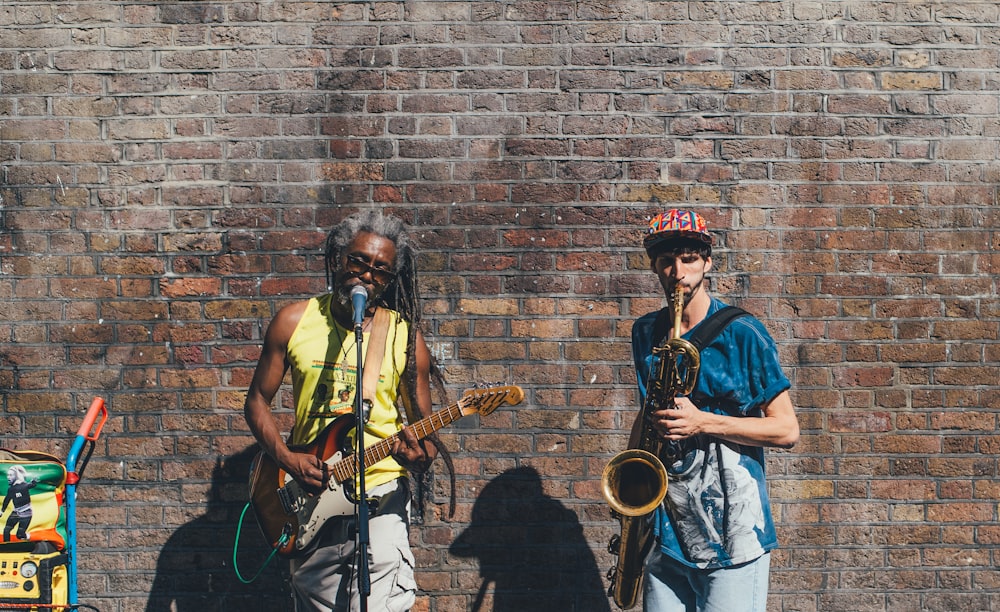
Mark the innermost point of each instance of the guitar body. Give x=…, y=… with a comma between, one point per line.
x=283, y=507
x=290, y=517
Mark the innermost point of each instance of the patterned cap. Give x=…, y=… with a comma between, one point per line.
x=675, y=225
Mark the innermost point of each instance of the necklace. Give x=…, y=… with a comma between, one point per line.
x=342, y=335
x=342, y=332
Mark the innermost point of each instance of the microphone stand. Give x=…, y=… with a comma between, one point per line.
x=360, y=421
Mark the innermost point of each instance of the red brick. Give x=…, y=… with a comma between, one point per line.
x=528, y=144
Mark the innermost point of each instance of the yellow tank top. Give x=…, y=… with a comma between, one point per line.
x=323, y=359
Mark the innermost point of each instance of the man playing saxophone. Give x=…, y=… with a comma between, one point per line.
x=714, y=530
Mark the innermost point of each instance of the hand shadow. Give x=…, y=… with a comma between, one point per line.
x=531, y=548
x=194, y=572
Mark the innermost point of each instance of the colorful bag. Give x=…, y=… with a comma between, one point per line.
x=32, y=486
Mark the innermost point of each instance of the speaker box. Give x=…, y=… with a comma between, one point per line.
x=33, y=578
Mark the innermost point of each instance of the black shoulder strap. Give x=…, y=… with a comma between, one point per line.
x=705, y=333
x=713, y=325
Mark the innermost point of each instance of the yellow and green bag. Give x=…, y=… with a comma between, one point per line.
x=32, y=489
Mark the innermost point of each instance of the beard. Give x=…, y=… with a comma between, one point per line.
x=342, y=294
x=341, y=289
x=688, y=295
x=694, y=289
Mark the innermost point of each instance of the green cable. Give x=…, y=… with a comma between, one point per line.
x=239, y=528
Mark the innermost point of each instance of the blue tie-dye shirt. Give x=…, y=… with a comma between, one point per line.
x=717, y=512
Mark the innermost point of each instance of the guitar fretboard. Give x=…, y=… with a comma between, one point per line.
x=346, y=468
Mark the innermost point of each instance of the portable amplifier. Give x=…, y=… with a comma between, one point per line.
x=33, y=578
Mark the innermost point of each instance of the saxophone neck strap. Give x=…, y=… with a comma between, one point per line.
x=704, y=333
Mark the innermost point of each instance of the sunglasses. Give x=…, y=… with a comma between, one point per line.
x=358, y=267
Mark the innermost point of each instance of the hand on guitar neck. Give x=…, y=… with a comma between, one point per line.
x=413, y=453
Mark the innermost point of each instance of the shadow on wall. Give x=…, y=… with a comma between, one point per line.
x=195, y=573
x=531, y=548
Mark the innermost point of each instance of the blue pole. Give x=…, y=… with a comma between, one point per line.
x=84, y=434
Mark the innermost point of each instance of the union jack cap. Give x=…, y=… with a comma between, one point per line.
x=675, y=225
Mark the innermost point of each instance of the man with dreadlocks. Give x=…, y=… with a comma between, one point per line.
x=314, y=339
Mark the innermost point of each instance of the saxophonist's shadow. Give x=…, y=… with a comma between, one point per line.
x=531, y=548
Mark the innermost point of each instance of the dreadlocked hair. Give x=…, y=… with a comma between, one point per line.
x=401, y=295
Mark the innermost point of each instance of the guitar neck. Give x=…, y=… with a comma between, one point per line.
x=346, y=468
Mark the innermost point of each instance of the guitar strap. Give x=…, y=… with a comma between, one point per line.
x=395, y=501
x=374, y=354
x=423, y=480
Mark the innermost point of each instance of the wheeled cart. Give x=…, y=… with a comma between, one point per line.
x=38, y=551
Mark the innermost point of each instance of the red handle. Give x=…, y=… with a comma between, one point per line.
x=97, y=408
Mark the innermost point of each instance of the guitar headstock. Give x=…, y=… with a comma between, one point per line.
x=487, y=399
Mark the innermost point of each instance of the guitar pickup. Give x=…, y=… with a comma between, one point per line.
x=287, y=503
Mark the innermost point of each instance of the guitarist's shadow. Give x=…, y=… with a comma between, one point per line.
x=531, y=548
x=194, y=572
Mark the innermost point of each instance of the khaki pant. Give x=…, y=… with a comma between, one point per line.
x=325, y=579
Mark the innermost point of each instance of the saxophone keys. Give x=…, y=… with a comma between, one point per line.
x=614, y=544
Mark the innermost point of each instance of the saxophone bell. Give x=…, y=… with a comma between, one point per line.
x=634, y=482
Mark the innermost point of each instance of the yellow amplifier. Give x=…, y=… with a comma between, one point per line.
x=33, y=578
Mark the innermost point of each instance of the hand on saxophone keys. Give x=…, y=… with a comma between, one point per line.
x=678, y=422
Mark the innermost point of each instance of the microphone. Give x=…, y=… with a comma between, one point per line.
x=359, y=297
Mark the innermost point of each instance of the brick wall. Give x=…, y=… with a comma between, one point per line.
x=169, y=169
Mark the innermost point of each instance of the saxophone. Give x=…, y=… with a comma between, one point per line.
x=634, y=482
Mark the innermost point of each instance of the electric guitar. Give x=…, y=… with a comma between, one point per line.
x=290, y=516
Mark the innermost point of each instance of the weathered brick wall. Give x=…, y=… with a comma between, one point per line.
x=169, y=169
